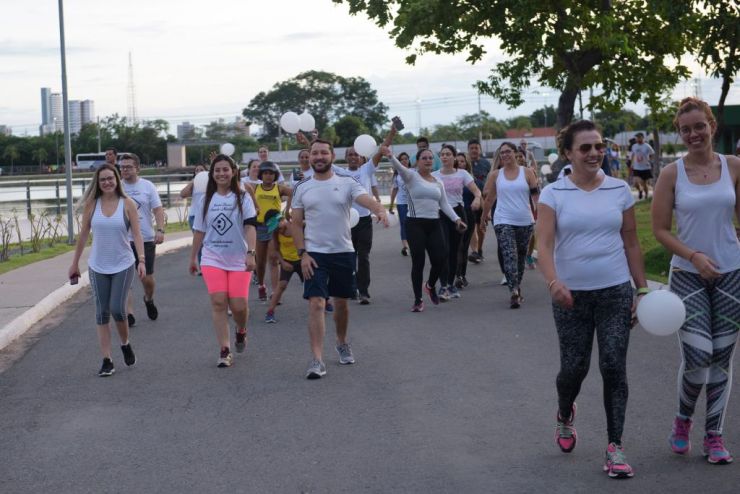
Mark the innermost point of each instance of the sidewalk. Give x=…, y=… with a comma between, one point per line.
x=33, y=291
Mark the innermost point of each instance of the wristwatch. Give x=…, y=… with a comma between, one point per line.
x=301, y=252
x=160, y=230
x=251, y=253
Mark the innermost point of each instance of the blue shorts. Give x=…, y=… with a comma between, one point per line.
x=263, y=235
x=334, y=276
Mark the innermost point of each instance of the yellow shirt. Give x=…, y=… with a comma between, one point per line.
x=287, y=248
x=266, y=200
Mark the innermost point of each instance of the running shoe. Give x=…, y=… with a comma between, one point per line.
x=151, y=309
x=530, y=262
x=107, y=369
x=474, y=257
x=262, y=290
x=503, y=281
x=715, y=451
x=680, y=442
x=453, y=292
x=225, y=359
x=128, y=354
x=364, y=299
x=459, y=282
x=565, y=431
x=329, y=307
x=615, y=464
x=345, y=354
x=444, y=294
x=241, y=340
x=465, y=282
x=432, y=292
x=515, y=302
x=316, y=370
x=405, y=251
x=639, y=195
x=131, y=320
x=270, y=317
x=418, y=307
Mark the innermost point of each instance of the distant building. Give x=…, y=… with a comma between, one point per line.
x=88, y=111
x=52, y=119
x=56, y=112
x=533, y=132
x=6, y=130
x=46, y=118
x=185, y=130
x=75, y=116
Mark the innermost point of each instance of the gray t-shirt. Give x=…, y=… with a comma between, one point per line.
x=641, y=156
x=326, y=205
x=481, y=168
x=145, y=195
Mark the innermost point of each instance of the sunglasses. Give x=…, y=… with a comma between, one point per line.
x=599, y=146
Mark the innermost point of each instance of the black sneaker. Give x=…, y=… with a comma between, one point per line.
x=432, y=292
x=131, y=320
x=151, y=309
x=241, y=341
x=364, y=299
x=107, y=369
x=128, y=354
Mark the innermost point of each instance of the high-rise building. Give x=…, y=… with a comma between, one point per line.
x=45, y=106
x=88, y=111
x=57, y=121
x=6, y=130
x=185, y=130
x=75, y=116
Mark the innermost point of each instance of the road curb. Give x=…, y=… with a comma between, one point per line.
x=25, y=321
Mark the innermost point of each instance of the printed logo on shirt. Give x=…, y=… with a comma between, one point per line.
x=138, y=204
x=222, y=224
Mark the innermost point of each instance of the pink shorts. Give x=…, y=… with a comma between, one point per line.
x=234, y=283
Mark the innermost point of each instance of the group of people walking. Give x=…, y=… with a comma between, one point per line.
x=586, y=234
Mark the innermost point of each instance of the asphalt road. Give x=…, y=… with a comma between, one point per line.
x=459, y=398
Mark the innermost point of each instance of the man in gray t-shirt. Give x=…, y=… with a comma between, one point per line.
x=325, y=247
x=641, y=155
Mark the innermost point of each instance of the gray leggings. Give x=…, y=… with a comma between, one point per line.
x=110, y=292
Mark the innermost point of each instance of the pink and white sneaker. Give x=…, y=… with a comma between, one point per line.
x=714, y=449
x=680, y=442
x=615, y=465
x=565, y=432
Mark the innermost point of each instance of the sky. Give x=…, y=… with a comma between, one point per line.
x=203, y=60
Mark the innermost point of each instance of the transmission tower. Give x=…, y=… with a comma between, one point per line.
x=131, y=93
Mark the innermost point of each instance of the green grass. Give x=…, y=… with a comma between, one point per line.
x=657, y=258
x=19, y=260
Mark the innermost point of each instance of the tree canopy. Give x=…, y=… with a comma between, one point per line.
x=618, y=47
x=326, y=96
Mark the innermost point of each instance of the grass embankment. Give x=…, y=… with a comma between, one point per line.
x=18, y=260
x=657, y=258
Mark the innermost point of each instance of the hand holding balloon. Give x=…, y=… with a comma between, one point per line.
x=661, y=312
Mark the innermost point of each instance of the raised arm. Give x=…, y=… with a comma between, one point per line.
x=406, y=174
x=387, y=143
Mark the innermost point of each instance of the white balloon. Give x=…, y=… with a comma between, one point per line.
x=290, y=122
x=354, y=217
x=227, y=149
x=552, y=158
x=200, y=182
x=545, y=169
x=661, y=312
x=365, y=145
x=308, y=123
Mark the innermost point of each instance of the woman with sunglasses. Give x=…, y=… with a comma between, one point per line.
x=703, y=188
x=426, y=198
x=398, y=195
x=511, y=187
x=588, y=252
x=110, y=214
x=455, y=181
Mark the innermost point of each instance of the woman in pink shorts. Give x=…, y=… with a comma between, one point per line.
x=225, y=227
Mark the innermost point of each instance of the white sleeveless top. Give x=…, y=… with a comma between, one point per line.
x=512, y=200
x=111, y=250
x=704, y=219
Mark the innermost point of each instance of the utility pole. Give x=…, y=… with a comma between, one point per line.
x=480, y=120
x=98, y=135
x=67, y=135
x=418, y=114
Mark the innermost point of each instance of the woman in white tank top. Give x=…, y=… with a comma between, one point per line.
x=511, y=187
x=702, y=188
x=110, y=214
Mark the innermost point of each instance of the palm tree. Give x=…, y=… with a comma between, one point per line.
x=12, y=153
x=40, y=155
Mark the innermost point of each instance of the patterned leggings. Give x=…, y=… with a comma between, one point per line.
x=513, y=242
x=608, y=312
x=707, y=341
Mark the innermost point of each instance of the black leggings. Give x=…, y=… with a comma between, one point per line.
x=452, y=243
x=608, y=312
x=462, y=251
x=425, y=237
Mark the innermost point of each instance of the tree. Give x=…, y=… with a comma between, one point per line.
x=447, y=132
x=543, y=117
x=718, y=31
x=40, y=155
x=614, y=122
x=326, y=96
x=11, y=152
x=474, y=124
x=348, y=128
x=620, y=47
x=521, y=122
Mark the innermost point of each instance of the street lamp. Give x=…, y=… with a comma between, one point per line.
x=56, y=141
x=67, y=135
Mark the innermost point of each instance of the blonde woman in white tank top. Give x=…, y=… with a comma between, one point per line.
x=703, y=189
x=110, y=213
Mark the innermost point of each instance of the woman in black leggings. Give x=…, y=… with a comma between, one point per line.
x=426, y=197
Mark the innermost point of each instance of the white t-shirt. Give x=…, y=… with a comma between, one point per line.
x=145, y=195
x=364, y=175
x=402, y=194
x=326, y=205
x=641, y=156
x=454, y=184
x=589, y=251
x=224, y=245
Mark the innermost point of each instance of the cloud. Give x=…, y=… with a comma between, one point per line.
x=9, y=48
